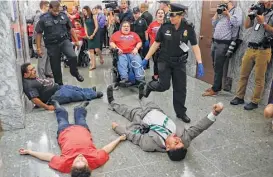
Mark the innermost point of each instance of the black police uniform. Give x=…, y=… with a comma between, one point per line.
x=172, y=62
x=148, y=17
x=56, y=30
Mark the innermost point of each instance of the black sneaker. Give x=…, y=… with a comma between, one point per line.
x=99, y=94
x=237, y=101
x=250, y=106
x=184, y=118
x=79, y=78
x=110, y=96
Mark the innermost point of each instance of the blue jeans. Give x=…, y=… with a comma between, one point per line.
x=62, y=118
x=124, y=62
x=69, y=93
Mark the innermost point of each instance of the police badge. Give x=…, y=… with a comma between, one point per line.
x=185, y=34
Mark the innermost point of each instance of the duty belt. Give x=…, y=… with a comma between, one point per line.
x=260, y=46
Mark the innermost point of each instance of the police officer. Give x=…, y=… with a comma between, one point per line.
x=165, y=5
x=139, y=26
x=173, y=38
x=55, y=26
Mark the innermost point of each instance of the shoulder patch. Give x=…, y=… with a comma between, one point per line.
x=189, y=23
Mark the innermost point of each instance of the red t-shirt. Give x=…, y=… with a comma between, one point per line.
x=77, y=16
x=80, y=32
x=73, y=141
x=152, y=31
x=126, y=42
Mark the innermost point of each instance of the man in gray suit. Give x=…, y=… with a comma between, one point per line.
x=153, y=131
x=44, y=68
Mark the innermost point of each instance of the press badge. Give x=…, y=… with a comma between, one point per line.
x=184, y=47
x=257, y=27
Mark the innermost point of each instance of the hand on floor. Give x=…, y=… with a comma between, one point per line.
x=114, y=125
x=50, y=108
x=23, y=151
x=218, y=108
x=122, y=137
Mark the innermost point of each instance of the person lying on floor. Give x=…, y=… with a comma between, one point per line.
x=42, y=91
x=79, y=154
x=152, y=130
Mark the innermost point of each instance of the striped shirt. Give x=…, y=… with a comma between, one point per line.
x=257, y=36
x=225, y=28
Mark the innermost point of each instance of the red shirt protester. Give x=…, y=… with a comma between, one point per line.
x=125, y=42
x=72, y=145
x=152, y=31
x=77, y=16
x=80, y=32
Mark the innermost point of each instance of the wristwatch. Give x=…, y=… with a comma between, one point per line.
x=264, y=23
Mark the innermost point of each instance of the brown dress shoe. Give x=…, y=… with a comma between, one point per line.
x=210, y=93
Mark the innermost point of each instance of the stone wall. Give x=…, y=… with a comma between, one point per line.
x=11, y=99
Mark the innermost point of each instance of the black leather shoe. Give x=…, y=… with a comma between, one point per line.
x=237, y=101
x=99, y=94
x=184, y=118
x=56, y=104
x=82, y=105
x=141, y=90
x=110, y=96
x=250, y=106
x=79, y=78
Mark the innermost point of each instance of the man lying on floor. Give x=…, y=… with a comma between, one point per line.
x=42, y=91
x=152, y=130
x=79, y=154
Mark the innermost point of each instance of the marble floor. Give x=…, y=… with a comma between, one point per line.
x=240, y=143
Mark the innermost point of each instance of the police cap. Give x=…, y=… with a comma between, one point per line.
x=165, y=2
x=136, y=10
x=175, y=7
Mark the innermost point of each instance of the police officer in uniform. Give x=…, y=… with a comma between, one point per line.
x=164, y=5
x=54, y=26
x=139, y=26
x=173, y=38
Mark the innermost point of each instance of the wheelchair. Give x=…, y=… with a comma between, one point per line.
x=115, y=74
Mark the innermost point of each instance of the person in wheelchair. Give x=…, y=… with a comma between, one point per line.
x=129, y=61
x=80, y=32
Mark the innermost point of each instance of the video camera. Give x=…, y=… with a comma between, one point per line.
x=256, y=9
x=112, y=5
x=221, y=8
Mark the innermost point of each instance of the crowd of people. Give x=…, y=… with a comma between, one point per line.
x=137, y=37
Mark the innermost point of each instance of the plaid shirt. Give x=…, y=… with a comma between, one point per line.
x=226, y=29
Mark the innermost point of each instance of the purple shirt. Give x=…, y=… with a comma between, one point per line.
x=101, y=20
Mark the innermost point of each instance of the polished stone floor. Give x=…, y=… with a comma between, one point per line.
x=240, y=143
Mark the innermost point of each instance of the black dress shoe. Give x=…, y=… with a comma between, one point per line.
x=56, y=104
x=79, y=78
x=184, y=118
x=99, y=94
x=250, y=106
x=110, y=96
x=82, y=105
x=237, y=101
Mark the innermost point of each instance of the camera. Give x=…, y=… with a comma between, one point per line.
x=267, y=41
x=221, y=8
x=233, y=47
x=256, y=9
x=112, y=5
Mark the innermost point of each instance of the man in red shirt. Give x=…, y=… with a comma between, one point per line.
x=75, y=14
x=80, y=32
x=79, y=154
x=128, y=43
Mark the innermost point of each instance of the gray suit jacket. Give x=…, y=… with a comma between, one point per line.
x=151, y=141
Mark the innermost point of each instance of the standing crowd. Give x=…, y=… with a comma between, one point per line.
x=137, y=37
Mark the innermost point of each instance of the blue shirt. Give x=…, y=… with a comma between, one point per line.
x=226, y=29
x=101, y=20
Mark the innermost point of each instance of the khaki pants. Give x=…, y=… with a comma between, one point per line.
x=259, y=59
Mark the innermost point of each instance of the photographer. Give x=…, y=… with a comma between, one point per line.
x=258, y=53
x=125, y=14
x=226, y=23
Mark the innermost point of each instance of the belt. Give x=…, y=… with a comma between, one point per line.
x=259, y=46
x=222, y=41
x=182, y=58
